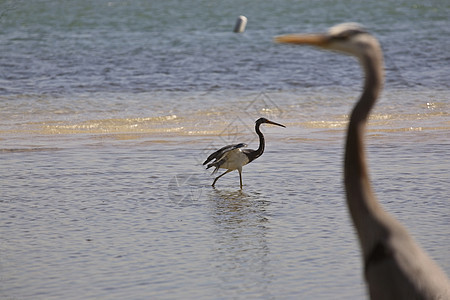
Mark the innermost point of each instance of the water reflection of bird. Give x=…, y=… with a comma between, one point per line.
x=395, y=267
x=232, y=157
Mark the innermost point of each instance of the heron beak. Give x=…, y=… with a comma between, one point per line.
x=318, y=40
x=273, y=123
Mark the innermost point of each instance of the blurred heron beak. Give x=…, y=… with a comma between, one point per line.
x=273, y=123
x=319, y=40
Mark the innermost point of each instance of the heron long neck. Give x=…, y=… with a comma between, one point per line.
x=258, y=152
x=364, y=208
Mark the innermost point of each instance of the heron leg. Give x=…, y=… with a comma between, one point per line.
x=240, y=176
x=214, y=182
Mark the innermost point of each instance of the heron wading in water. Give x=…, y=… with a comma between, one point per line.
x=233, y=157
x=395, y=267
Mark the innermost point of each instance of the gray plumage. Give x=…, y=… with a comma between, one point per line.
x=219, y=156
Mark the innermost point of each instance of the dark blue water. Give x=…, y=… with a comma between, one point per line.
x=139, y=46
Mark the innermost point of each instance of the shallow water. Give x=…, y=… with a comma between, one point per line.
x=114, y=222
x=108, y=109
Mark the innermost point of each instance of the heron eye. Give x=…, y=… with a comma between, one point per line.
x=341, y=37
x=347, y=34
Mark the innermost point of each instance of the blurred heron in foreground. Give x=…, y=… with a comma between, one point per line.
x=395, y=267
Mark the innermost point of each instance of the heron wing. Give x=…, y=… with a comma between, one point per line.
x=218, y=155
x=225, y=160
x=248, y=151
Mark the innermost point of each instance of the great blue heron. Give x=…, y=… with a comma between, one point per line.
x=395, y=267
x=232, y=157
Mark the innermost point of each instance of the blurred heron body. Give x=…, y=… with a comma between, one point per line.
x=395, y=266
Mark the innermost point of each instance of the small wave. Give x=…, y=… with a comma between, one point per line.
x=167, y=123
x=20, y=150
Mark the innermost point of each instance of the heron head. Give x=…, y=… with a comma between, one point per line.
x=264, y=120
x=348, y=38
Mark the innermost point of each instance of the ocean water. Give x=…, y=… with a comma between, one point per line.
x=108, y=109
